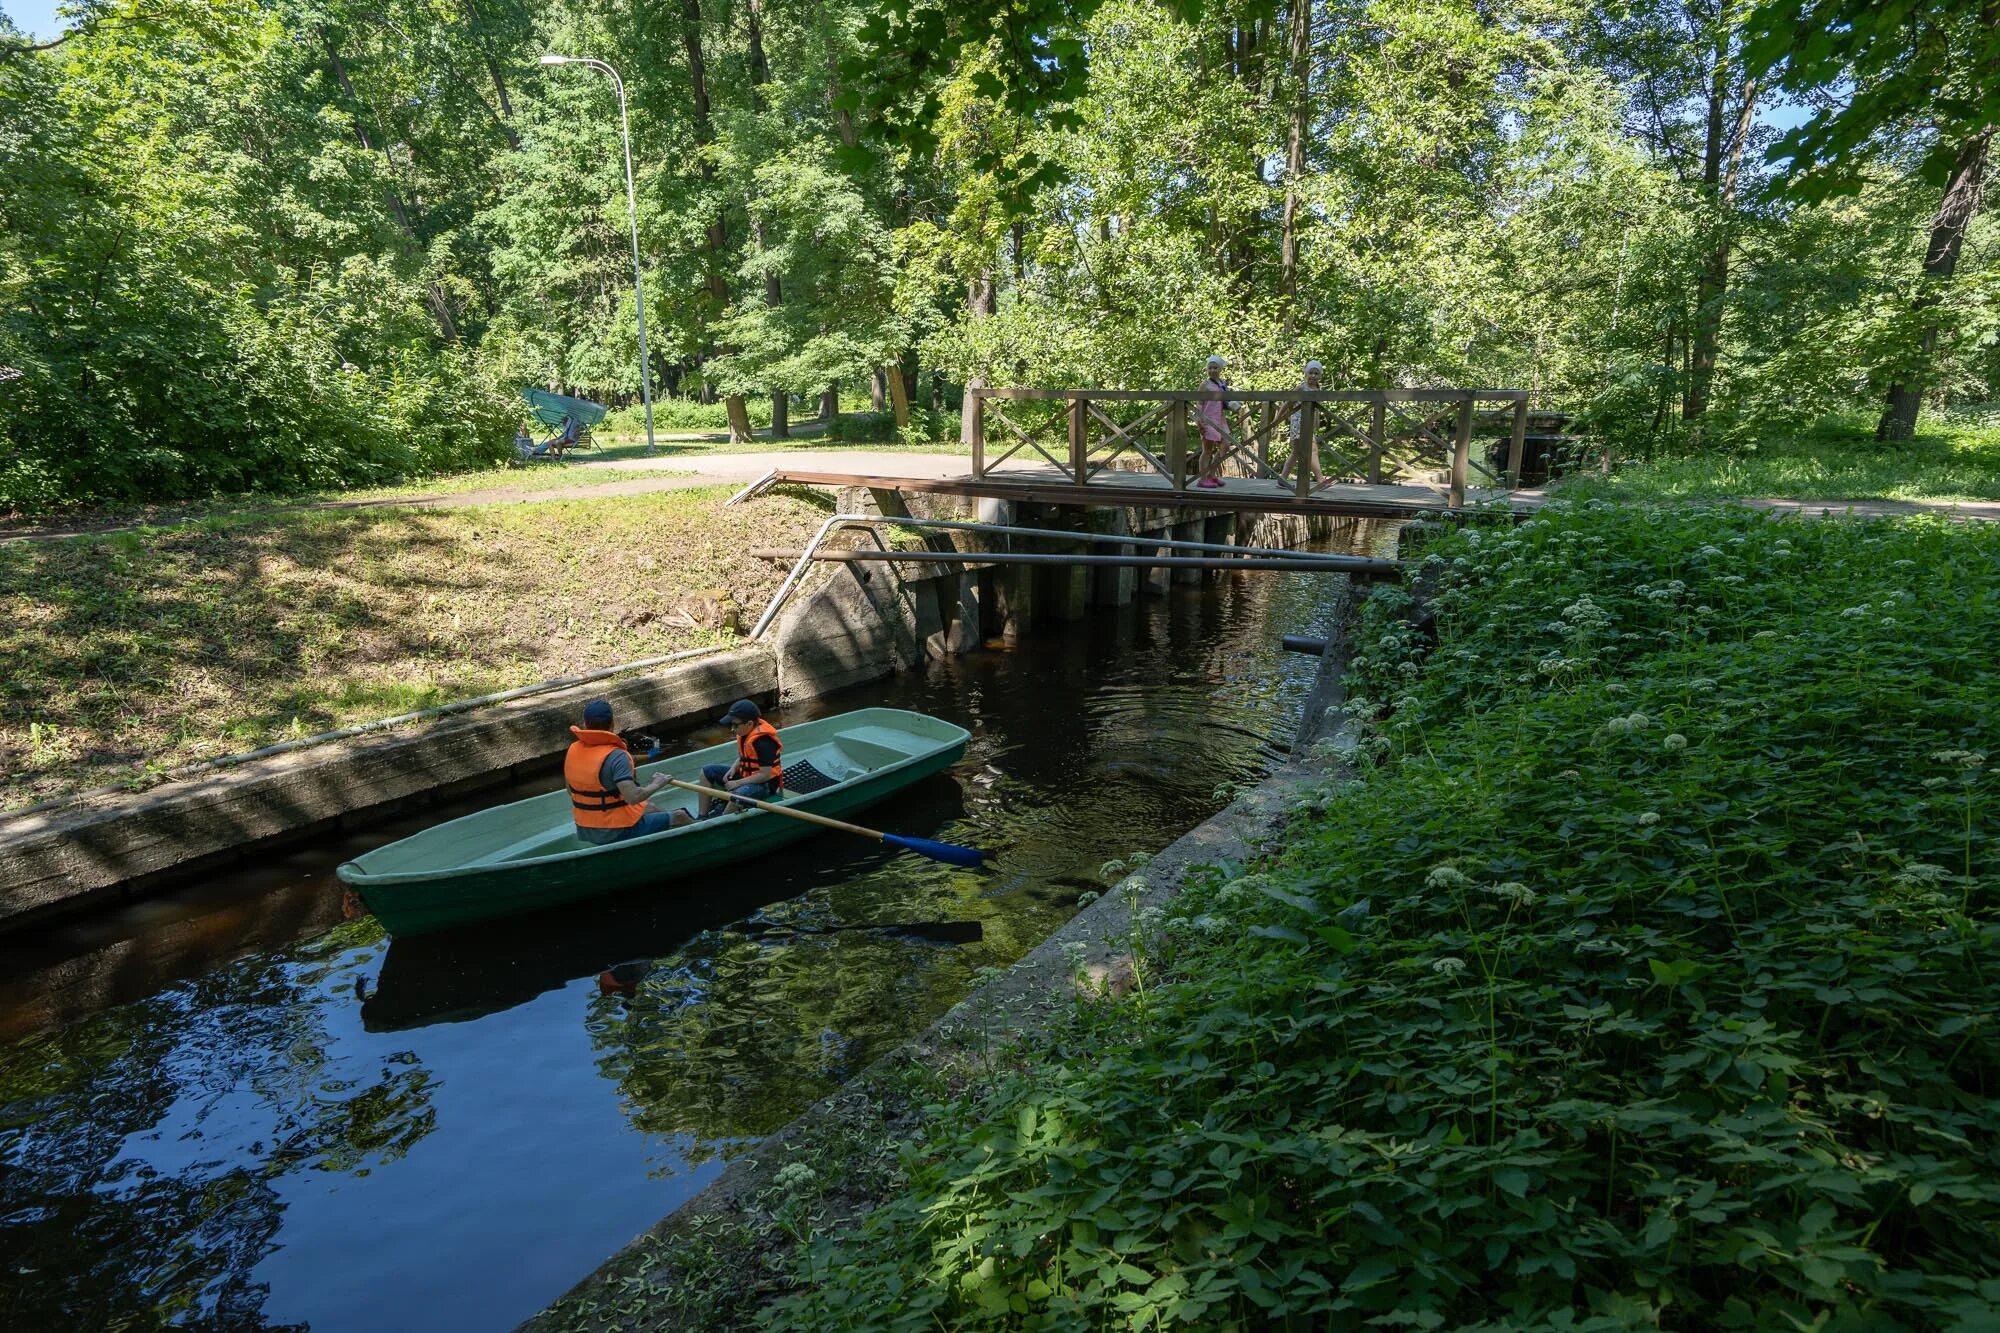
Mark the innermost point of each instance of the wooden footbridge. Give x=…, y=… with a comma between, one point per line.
x=1387, y=453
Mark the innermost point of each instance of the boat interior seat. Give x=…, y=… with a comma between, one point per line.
x=829, y=760
x=542, y=842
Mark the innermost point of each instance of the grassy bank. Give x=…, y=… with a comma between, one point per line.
x=130, y=653
x=1955, y=457
x=541, y=477
x=1647, y=977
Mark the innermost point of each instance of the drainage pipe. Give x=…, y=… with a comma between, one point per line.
x=1102, y=538
x=1356, y=565
x=871, y=521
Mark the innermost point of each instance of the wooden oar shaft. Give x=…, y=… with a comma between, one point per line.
x=806, y=815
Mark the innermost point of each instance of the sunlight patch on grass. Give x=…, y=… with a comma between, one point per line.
x=131, y=653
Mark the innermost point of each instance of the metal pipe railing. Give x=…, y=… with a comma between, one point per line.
x=1357, y=565
x=1308, y=559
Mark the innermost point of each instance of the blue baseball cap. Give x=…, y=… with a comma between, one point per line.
x=741, y=711
x=597, y=713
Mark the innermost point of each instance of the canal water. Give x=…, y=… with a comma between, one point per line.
x=233, y=1107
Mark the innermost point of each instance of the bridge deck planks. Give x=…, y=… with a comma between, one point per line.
x=1149, y=490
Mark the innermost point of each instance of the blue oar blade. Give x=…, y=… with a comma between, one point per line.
x=949, y=853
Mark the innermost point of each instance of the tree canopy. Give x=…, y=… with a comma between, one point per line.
x=310, y=243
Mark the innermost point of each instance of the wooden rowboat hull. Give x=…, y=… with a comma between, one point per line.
x=525, y=856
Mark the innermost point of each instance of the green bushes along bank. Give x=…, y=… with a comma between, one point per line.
x=1647, y=978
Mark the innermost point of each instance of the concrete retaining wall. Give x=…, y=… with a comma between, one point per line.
x=116, y=846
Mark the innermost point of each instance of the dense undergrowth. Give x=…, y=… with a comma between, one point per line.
x=1648, y=979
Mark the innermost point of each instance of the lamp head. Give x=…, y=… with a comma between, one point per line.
x=557, y=60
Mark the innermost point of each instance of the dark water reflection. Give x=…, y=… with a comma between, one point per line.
x=229, y=1109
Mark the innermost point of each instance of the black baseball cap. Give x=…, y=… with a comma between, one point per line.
x=741, y=711
x=597, y=713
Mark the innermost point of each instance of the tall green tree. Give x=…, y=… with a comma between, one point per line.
x=1917, y=79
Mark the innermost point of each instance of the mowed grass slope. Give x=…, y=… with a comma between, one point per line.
x=128, y=654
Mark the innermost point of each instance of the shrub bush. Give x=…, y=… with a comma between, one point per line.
x=863, y=427
x=207, y=398
x=683, y=414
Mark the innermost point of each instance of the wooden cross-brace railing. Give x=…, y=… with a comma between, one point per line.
x=1376, y=428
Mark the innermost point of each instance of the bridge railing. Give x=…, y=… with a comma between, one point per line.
x=1085, y=433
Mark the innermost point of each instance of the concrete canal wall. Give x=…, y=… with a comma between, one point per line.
x=856, y=623
x=113, y=845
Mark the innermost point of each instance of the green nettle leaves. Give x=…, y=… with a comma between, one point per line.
x=1669, y=1003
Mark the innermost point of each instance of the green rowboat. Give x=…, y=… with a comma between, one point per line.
x=525, y=856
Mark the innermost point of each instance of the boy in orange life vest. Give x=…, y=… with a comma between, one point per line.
x=757, y=772
x=605, y=797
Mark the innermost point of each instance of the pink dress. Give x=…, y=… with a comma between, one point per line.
x=1213, y=418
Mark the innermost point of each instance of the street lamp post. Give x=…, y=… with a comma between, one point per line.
x=632, y=210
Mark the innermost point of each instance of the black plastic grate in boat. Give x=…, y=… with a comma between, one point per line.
x=802, y=778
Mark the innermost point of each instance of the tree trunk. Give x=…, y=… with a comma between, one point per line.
x=718, y=230
x=1961, y=201
x=739, y=417
x=843, y=123
x=829, y=404
x=1722, y=159
x=1295, y=160
x=474, y=21
x=760, y=68
x=877, y=391
x=899, y=398
x=774, y=296
x=434, y=296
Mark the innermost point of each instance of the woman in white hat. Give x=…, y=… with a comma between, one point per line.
x=1213, y=417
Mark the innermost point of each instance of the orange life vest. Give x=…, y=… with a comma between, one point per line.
x=746, y=753
x=591, y=804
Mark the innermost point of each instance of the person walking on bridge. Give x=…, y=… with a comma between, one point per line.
x=1214, y=419
x=605, y=797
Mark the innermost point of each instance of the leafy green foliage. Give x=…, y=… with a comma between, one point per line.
x=200, y=288
x=314, y=244
x=1930, y=69
x=1646, y=980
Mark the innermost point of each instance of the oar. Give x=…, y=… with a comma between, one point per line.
x=949, y=853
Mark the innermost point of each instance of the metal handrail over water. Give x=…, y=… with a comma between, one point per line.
x=1345, y=564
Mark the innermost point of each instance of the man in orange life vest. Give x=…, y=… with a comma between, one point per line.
x=757, y=772
x=605, y=797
